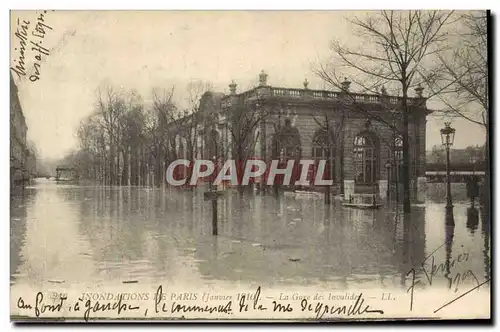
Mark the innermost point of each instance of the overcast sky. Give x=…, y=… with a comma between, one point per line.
x=144, y=49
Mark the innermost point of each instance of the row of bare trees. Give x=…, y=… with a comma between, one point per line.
x=127, y=141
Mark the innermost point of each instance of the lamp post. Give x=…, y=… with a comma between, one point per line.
x=447, y=137
x=473, y=160
x=392, y=159
x=388, y=168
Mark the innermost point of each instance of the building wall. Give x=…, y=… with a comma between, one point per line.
x=18, y=148
x=304, y=121
x=305, y=108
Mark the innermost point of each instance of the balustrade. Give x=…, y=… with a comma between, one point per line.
x=320, y=95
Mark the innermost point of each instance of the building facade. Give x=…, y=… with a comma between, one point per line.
x=22, y=160
x=359, y=135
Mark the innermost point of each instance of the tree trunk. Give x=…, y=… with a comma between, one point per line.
x=117, y=181
x=125, y=171
x=240, y=169
x=157, y=166
x=406, y=154
x=329, y=171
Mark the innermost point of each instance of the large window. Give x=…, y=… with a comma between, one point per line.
x=286, y=142
x=365, y=158
x=324, y=149
x=397, y=167
x=289, y=147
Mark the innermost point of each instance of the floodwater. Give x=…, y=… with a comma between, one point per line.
x=86, y=235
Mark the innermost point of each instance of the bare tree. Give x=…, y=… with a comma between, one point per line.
x=111, y=108
x=131, y=128
x=244, y=118
x=191, y=120
x=394, y=47
x=180, y=126
x=159, y=117
x=333, y=135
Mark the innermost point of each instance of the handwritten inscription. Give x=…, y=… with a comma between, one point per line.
x=171, y=305
x=320, y=309
x=30, y=42
x=40, y=307
x=255, y=305
x=453, y=269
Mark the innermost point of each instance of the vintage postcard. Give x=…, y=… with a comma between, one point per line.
x=249, y=165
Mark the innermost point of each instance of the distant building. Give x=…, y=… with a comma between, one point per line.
x=349, y=130
x=19, y=152
x=468, y=155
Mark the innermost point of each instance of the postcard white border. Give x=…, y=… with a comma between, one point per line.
x=187, y=4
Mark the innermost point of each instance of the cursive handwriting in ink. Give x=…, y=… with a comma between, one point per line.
x=432, y=268
x=444, y=269
x=320, y=309
x=460, y=296
x=118, y=306
x=39, y=32
x=21, y=35
x=160, y=306
x=22, y=305
x=41, y=27
x=243, y=305
x=278, y=307
x=31, y=43
x=223, y=308
x=41, y=307
x=412, y=287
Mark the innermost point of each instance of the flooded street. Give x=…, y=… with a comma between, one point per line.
x=100, y=235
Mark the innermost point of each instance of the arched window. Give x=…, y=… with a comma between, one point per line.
x=323, y=148
x=286, y=142
x=365, y=158
x=289, y=146
x=397, y=166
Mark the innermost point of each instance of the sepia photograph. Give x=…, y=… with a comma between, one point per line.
x=250, y=165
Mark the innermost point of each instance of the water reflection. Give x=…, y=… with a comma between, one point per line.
x=101, y=235
x=18, y=228
x=449, y=233
x=472, y=219
x=485, y=230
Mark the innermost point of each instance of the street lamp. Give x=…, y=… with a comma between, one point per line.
x=473, y=160
x=388, y=168
x=447, y=137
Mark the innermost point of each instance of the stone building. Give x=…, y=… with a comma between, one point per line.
x=358, y=134
x=22, y=160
